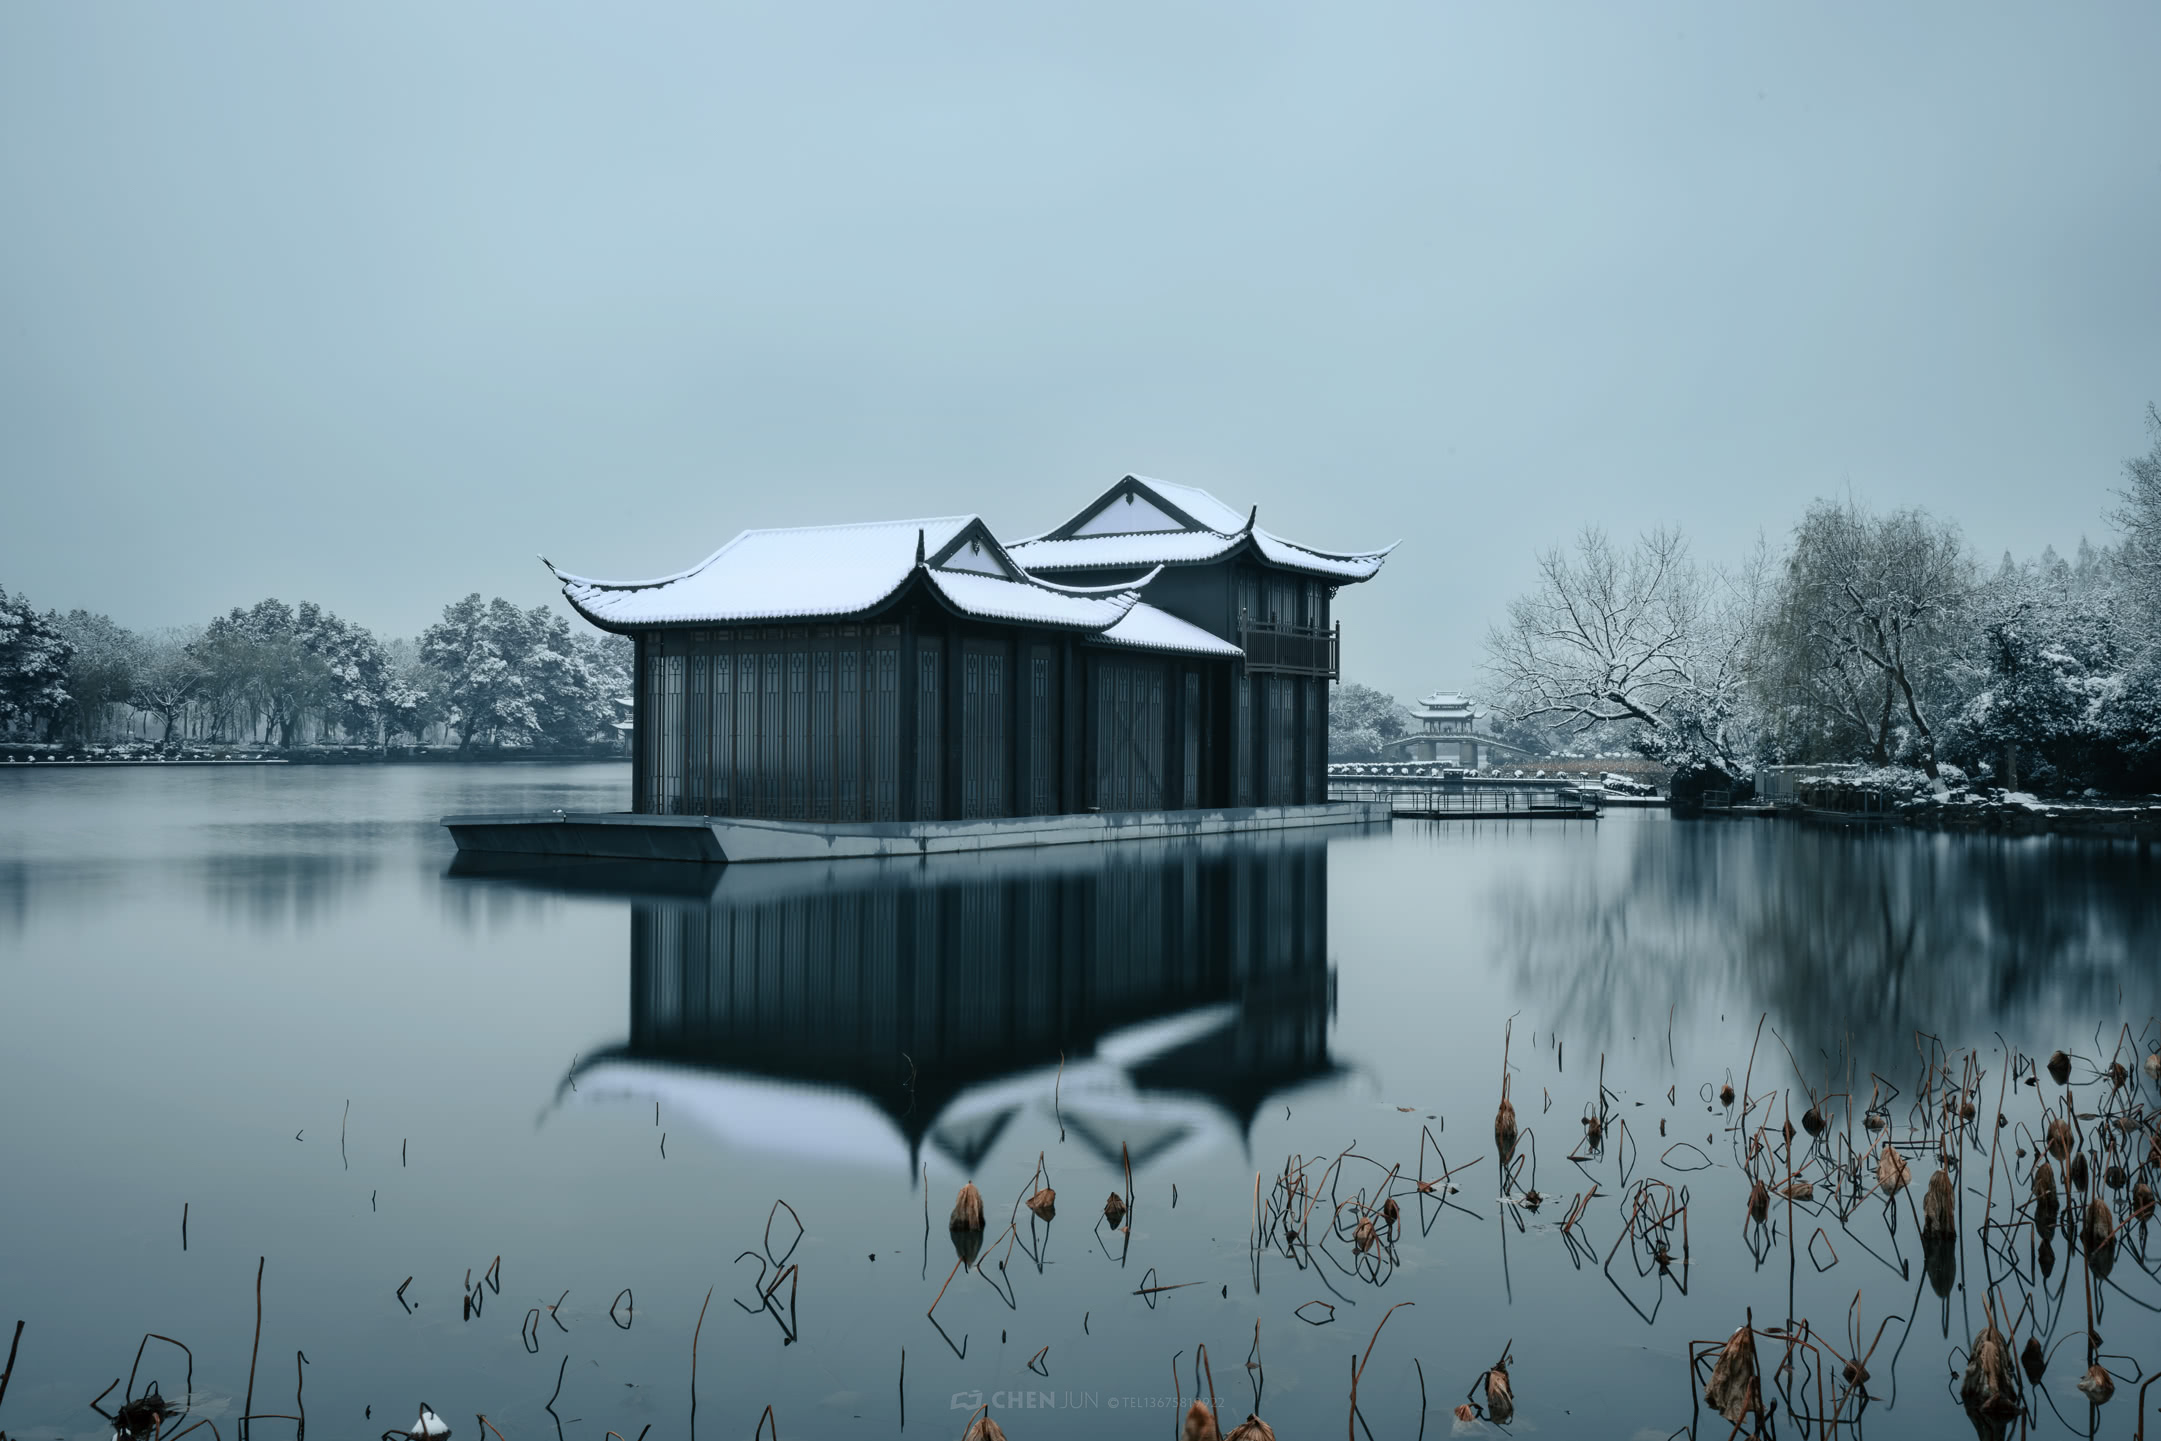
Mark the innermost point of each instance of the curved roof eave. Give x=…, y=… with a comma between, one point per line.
x=621, y=628
x=1138, y=583
x=952, y=607
x=1233, y=546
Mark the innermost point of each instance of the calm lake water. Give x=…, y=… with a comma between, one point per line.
x=267, y=998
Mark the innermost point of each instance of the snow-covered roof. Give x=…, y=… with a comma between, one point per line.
x=1090, y=552
x=1147, y=628
x=795, y=574
x=830, y=571
x=1031, y=601
x=1144, y=522
x=1446, y=702
x=1198, y=503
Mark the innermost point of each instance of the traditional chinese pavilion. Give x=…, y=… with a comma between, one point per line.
x=1156, y=651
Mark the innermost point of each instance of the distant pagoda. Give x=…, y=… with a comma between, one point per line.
x=1448, y=735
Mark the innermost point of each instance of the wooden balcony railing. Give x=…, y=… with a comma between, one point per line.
x=1275, y=649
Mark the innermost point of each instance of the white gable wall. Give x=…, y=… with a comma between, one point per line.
x=1129, y=514
x=980, y=561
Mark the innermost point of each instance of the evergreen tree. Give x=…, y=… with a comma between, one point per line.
x=34, y=659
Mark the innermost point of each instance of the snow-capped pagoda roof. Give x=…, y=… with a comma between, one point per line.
x=1145, y=522
x=1442, y=704
x=832, y=572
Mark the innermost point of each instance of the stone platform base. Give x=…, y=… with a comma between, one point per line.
x=625, y=836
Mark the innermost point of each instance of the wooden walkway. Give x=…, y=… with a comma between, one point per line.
x=1463, y=799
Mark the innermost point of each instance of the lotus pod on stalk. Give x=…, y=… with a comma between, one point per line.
x=2059, y=1068
x=1735, y=1390
x=1114, y=1210
x=1873, y=1121
x=984, y=1429
x=1044, y=1203
x=2097, y=1384
x=2076, y=1173
x=2045, y=1205
x=1500, y=1394
x=1989, y=1389
x=1253, y=1428
x=1892, y=1172
x=1759, y=1201
x=1391, y=1213
x=2142, y=1202
x=1725, y=1092
x=2152, y=1066
x=1798, y=1190
x=2097, y=1233
x=2117, y=1075
x=1939, y=1208
x=2045, y=1256
x=2060, y=1140
x=1812, y=1121
x=2033, y=1360
x=1965, y=1110
x=1362, y=1235
x=1594, y=1130
x=2116, y=1177
x=1200, y=1424
x=967, y=1209
x=1504, y=1129
x=1939, y=1261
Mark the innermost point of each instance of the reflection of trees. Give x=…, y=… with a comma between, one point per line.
x=270, y=891
x=1838, y=933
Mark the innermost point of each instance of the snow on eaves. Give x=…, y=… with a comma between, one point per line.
x=1146, y=628
x=793, y=574
x=1191, y=547
x=1224, y=528
x=995, y=598
x=1360, y=566
x=1090, y=552
x=817, y=572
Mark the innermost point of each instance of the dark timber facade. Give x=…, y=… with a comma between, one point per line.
x=921, y=670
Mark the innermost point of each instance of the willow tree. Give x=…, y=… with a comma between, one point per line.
x=1869, y=620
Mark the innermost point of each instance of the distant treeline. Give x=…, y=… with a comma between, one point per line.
x=487, y=675
x=1867, y=637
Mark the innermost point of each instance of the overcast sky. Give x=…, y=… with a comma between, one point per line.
x=368, y=304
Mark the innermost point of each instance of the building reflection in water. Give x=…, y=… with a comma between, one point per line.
x=1147, y=995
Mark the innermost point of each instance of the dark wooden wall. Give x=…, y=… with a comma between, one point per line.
x=920, y=715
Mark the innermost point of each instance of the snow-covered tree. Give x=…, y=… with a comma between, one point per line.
x=101, y=671
x=1869, y=616
x=1362, y=720
x=34, y=658
x=168, y=678
x=2059, y=689
x=366, y=698
x=515, y=678
x=2139, y=518
x=1645, y=637
x=264, y=668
